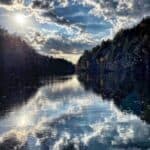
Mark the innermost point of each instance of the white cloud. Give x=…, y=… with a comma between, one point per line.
x=85, y=22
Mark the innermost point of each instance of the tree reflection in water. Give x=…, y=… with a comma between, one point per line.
x=129, y=92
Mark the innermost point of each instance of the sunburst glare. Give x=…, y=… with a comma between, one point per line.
x=20, y=19
x=23, y=121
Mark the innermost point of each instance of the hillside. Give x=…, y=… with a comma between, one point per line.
x=18, y=60
x=129, y=92
x=129, y=50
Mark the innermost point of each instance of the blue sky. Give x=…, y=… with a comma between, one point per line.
x=65, y=28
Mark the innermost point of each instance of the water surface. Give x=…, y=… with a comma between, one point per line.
x=65, y=114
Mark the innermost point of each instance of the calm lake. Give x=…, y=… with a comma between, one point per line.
x=74, y=113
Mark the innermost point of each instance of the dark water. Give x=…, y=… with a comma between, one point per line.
x=76, y=113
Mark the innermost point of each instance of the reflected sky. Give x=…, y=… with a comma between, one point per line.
x=64, y=115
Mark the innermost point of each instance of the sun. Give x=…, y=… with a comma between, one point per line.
x=20, y=19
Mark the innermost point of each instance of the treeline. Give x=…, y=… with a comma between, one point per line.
x=19, y=60
x=129, y=50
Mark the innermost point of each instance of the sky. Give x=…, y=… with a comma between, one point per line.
x=66, y=28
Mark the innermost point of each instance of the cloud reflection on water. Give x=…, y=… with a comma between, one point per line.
x=76, y=119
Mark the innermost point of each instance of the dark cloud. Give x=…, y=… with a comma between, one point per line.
x=142, y=6
x=50, y=11
x=43, y=4
x=7, y=2
x=138, y=9
x=55, y=18
x=84, y=13
x=65, y=45
x=78, y=15
x=46, y=3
